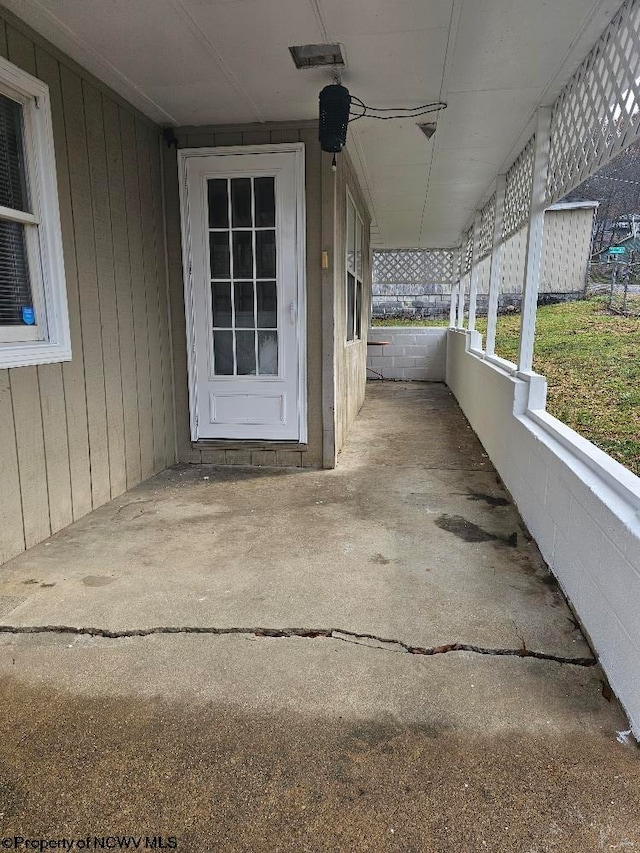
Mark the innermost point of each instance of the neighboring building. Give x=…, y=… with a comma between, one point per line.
x=631, y=254
x=568, y=232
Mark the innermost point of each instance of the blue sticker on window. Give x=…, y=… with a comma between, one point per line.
x=28, y=316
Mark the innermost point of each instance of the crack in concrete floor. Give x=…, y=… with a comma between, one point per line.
x=367, y=640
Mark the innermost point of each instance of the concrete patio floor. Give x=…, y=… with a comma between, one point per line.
x=356, y=726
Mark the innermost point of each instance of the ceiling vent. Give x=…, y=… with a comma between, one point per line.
x=428, y=128
x=318, y=55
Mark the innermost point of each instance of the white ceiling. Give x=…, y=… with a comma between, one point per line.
x=195, y=62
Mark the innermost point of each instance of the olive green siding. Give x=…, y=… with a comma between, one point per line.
x=76, y=435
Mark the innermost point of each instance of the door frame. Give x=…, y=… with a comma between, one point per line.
x=297, y=151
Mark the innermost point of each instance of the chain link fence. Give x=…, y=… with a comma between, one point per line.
x=619, y=283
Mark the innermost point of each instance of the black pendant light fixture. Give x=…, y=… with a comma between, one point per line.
x=335, y=105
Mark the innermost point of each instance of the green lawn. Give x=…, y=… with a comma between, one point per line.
x=408, y=321
x=591, y=359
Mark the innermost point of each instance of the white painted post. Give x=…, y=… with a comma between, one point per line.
x=535, y=228
x=461, y=291
x=495, y=276
x=475, y=271
x=453, y=306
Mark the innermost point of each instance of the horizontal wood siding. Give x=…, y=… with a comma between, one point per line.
x=206, y=137
x=76, y=435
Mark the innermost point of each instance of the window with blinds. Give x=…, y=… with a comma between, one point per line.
x=34, y=319
x=354, y=271
x=16, y=304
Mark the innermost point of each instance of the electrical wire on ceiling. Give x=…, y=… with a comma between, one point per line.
x=388, y=113
x=338, y=108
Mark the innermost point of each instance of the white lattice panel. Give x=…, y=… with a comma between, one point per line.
x=597, y=114
x=487, y=220
x=517, y=200
x=414, y=266
x=484, y=275
x=468, y=252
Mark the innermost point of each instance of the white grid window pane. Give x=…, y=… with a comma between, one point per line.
x=243, y=265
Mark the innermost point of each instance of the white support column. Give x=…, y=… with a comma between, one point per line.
x=453, y=306
x=461, y=291
x=535, y=230
x=475, y=271
x=495, y=277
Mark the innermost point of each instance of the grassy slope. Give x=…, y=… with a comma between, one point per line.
x=592, y=362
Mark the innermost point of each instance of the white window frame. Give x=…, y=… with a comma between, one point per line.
x=358, y=277
x=50, y=339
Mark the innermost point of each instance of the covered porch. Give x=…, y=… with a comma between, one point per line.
x=368, y=658
x=291, y=604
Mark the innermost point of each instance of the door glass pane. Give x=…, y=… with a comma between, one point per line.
x=243, y=291
x=265, y=254
x=265, y=202
x=350, y=305
x=242, y=254
x=219, y=254
x=241, y=202
x=246, y=353
x=244, y=287
x=218, y=203
x=268, y=353
x=221, y=303
x=267, y=305
x=223, y=353
x=13, y=188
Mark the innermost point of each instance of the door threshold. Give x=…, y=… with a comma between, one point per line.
x=250, y=444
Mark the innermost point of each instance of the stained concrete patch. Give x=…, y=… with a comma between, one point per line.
x=97, y=580
x=491, y=500
x=470, y=532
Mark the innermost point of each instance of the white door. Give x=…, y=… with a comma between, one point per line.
x=243, y=248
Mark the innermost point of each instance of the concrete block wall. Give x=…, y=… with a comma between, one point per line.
x=580, y=505
x=417, y=353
